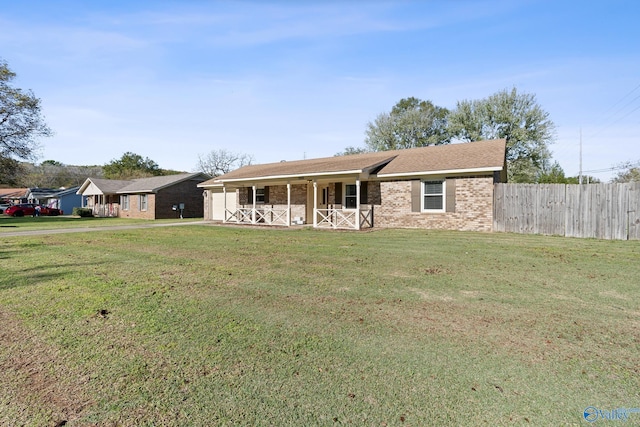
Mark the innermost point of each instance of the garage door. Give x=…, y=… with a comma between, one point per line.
x=217, y=199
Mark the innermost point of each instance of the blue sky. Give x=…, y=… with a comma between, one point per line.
x=287, y=80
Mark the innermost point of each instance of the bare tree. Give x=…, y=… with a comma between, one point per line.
x=220, y=162
x=629, y=172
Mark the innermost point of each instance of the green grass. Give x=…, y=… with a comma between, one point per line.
x=203, y=325
x=12, y=224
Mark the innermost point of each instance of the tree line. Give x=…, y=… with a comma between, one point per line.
x=54, y=174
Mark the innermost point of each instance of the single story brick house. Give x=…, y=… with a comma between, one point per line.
x=158, y=197
x=435, y=187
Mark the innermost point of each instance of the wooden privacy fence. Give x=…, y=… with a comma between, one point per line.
x=603, y=211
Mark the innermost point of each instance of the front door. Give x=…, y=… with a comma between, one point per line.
x=323, y=196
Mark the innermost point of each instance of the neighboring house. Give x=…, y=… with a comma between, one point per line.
x=438, y=187
x=100, y=195
x=65, y=200
x=39, y=195
x=62, y=198
x=13, y=195
x=158, y=197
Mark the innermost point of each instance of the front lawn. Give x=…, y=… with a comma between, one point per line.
x=12, y=224
x=208, y=325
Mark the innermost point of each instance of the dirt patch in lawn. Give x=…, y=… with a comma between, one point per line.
x=39, y=385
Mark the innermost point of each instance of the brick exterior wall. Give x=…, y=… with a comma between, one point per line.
x=391, y=202
x=160, y=205
x=473, y=207
x=134, y=207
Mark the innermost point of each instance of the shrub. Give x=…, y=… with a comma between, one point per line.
x=82, y=212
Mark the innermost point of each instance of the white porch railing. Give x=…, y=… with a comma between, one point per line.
x=272, y=216
x=326, y=218
x=110, y=210
x=240, y=216
x=264, y=215
x=338, y=218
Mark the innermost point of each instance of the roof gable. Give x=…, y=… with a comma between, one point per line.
x=97, y=186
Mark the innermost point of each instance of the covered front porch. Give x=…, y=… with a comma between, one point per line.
x=102, y=205
x=321, y=203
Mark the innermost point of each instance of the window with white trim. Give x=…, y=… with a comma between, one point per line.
x=350, y=198
x=433, y=196
x=124, y=202
x=143, y=202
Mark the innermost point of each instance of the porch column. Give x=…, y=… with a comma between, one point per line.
x=224, y=204
x=288, y=204
x=315, y=204
x=358, y=204
x=253, y=211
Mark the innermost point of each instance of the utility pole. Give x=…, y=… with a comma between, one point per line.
x=580, y=173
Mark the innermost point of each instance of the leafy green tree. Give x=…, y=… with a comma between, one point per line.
x=11, y=171
x=130, y=166
x=553, y=175
x=52, y=163
x=411, y=123
x=352, y=150
x=515, y=117
x=21, y=121
x=586, y=179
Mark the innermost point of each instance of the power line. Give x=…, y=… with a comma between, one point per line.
x=620, y=118
x=614, y=168
x=621, y=99
x=611, y=116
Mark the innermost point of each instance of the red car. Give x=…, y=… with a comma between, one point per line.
x=23, y=209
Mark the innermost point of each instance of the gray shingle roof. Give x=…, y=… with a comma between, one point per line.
x=140, y=185
x=481, y=155
x=453, y=157
x=156, y=183
x=109, y=186
x=358, y=162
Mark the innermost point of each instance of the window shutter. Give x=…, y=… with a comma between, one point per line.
x=451, y=195
x=338, y=193
x=364, y=196
x=415, y=196
x=250, y=195
x=266, y=194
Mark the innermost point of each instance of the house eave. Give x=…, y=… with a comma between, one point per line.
x=153, y=191
x=440, y=172
x=293, y=177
